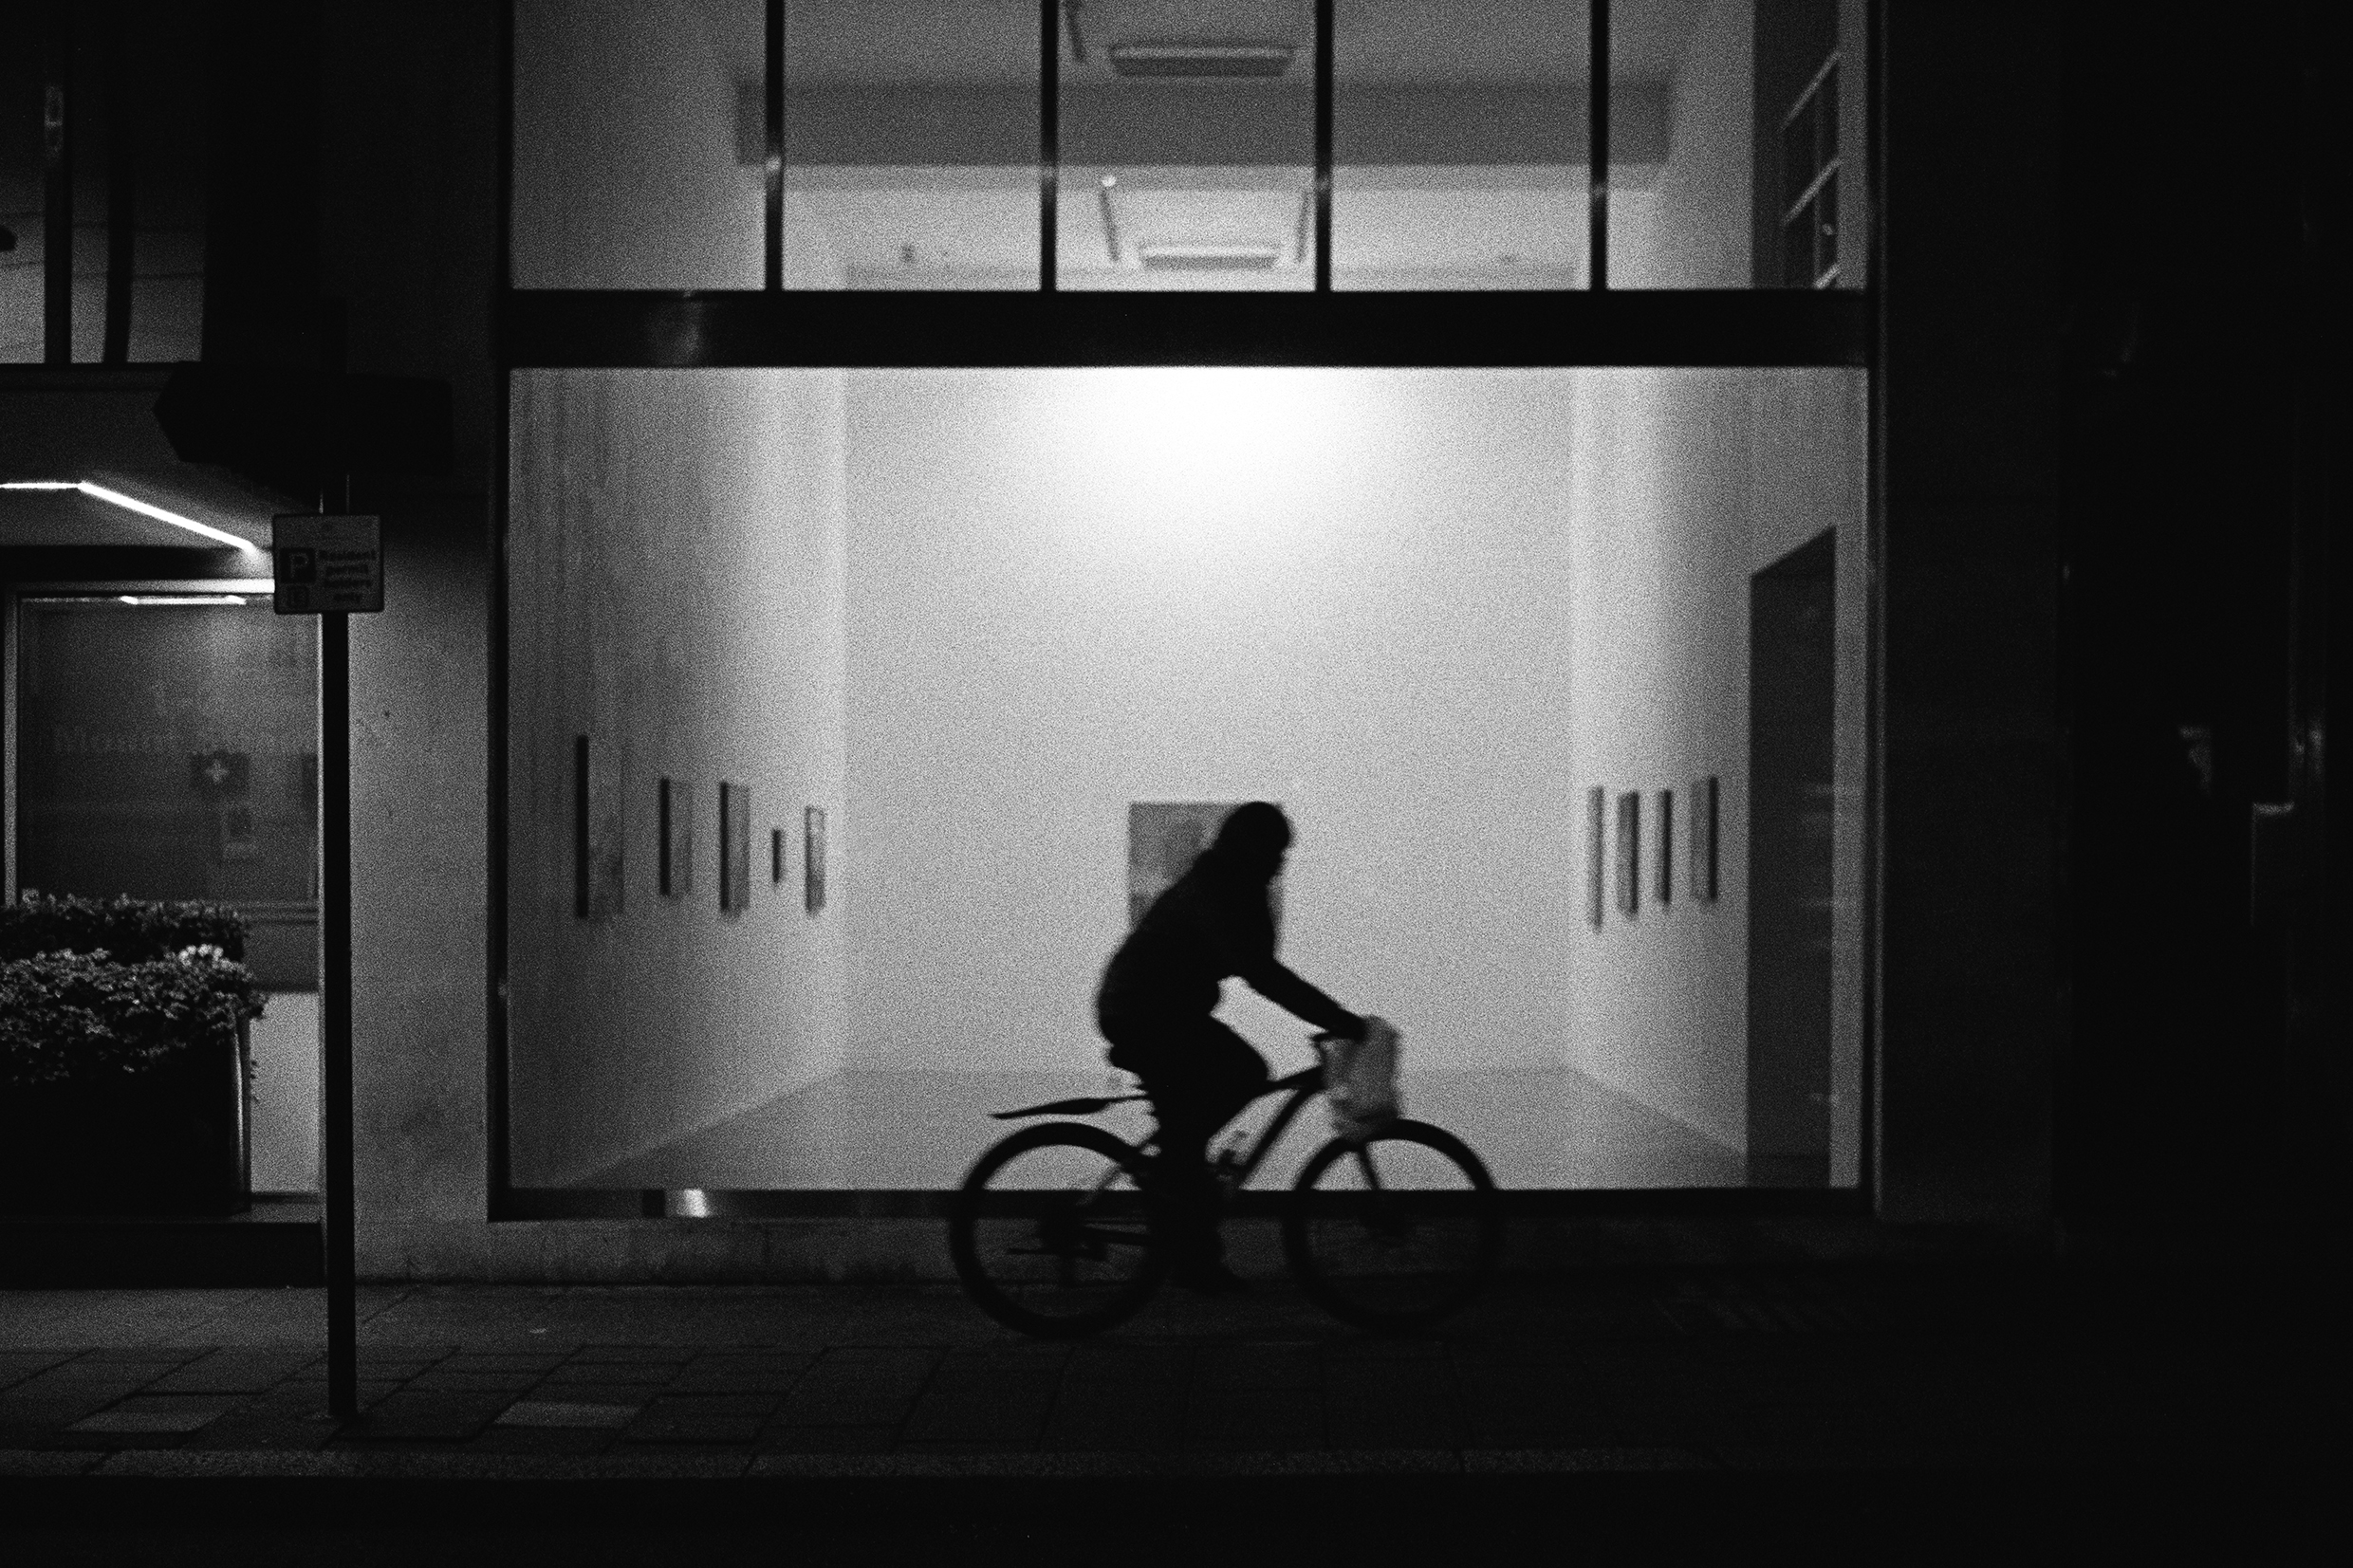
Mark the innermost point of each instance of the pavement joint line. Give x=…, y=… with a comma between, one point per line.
x=413, y=1465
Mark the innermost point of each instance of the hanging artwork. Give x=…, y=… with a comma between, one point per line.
x=1630, y=854
x=598, y=833
x=678, y=840
x=1702, y=837
x=814, y=858
x=1596, y=855
x=1664, y=887
x=776, y=856
x=735, y=848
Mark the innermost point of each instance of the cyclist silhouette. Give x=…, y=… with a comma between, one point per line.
x=1155, y=1003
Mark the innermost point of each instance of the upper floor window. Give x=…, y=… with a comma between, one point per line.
x=1165, y=144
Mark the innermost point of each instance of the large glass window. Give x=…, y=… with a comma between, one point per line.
x=1746, y=167
x=911, y=146
x=1558, y=672
x=1188, y=145
x=166, y=748
x=1458, y=138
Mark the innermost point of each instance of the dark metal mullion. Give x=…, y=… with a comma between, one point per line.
x=122, y=212
x=1049, y=137
x=57, y=190
x=1597, y=149
x=1323, y=146
x=772, y=112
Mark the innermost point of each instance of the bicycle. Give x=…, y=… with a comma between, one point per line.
x=1056, y=1231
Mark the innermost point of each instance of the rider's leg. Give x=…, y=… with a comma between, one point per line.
x=1199, y=1074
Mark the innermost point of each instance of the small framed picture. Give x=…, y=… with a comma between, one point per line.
x=676, y=867
x=776, y=856
x=1630, y=854
x=1701, y=836
x=735, y=848
x=814, y=858
x=1596, y=855
x=1663, y=889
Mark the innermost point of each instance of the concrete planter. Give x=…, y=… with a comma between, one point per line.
x=172, y=1143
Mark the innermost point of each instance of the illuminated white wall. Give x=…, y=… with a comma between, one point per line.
x=1071, y=590
x=1692, y=480
x=1688, y=225
x=675, y=593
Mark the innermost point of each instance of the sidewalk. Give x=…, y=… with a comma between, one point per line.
x=1828, y=1369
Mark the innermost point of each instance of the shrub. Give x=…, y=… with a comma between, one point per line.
x=81, y=1020
x=135, y=931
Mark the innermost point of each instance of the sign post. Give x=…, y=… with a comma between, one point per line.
x=332, y=566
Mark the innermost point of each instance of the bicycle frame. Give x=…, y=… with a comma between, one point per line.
x=1303, y=1086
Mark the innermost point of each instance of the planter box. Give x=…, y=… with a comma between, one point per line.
x=176, y=1142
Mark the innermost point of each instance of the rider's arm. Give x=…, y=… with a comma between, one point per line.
x=1270, y=979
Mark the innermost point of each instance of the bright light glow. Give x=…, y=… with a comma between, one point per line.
x=131, y=503
x=181, y=599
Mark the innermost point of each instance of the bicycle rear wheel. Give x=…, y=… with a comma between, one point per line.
x=1052, y=1233
x=1396, y=1232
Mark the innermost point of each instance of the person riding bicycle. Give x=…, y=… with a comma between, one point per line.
x=1155, y=1003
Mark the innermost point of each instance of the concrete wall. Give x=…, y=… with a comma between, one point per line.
x=1342, y=591
x=626, y=172
x=674, y=594
x=1688, y=226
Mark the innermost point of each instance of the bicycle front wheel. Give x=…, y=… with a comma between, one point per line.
x=1396, y=1232
x=1053, y=1234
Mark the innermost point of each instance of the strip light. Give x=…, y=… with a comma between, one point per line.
x=131, y=503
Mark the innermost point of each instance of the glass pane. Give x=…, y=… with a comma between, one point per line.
x=1188, y=145
x=1757, y=115
x=911, y=144
x=167, y=749
x=20, y=205
x=1023, y=636
x=639, y=157
x=1458, y=144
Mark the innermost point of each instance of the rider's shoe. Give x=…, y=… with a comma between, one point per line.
x=1212, y=1278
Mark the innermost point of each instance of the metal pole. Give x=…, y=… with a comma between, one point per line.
x=1596, y=149
x=1323, y=146
x=1049, y=141
x=343, y=1331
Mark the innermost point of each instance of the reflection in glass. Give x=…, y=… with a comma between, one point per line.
x=1188, y=145
x=634, y=165
x=1761, y=109
x=20, y=206
x=1459, y=138
x=167, y=749
x=911, y=144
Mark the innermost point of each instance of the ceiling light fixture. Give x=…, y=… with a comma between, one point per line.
x=1201, y=59
x=129, y=503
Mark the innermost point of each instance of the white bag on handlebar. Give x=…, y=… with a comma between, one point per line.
x=1360, y=1080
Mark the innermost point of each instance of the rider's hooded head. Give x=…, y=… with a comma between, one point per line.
x=1251, y=841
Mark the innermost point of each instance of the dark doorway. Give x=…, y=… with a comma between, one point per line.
x=1792, y=656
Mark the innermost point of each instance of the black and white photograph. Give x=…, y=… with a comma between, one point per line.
x=1540, y=779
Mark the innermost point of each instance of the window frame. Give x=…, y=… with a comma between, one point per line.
x=776, y=328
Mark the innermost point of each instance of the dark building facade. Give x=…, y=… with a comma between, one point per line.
x=1928, y=582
